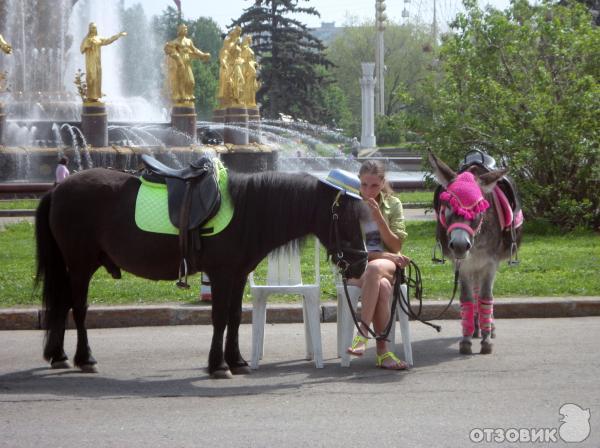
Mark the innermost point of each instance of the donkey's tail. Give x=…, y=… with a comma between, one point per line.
x=51, y=269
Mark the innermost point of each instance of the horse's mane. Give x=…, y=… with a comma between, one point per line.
x=275, y=206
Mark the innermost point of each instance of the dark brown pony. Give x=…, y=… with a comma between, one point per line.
x=88, y=221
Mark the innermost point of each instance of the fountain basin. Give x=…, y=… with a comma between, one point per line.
x=37, y=165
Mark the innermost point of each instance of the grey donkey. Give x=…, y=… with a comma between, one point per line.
x=477, y=236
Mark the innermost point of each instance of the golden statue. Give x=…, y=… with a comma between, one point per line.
x=226, y=64
x=5, y=46
x=236, y=75
x=223, y=64
x=93, y=63
x=251, y=84
x=180, y=52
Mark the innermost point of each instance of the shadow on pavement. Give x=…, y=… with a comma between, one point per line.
x=271, y=377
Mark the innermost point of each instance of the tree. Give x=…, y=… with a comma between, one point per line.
x=524, y=84
x=407, y=60
x=592, y=5
x=289, y=58
x=206, y=34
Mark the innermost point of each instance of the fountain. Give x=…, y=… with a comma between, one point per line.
x=53, y=90
x=46, y=116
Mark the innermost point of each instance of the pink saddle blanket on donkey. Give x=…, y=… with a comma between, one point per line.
x=506, y=216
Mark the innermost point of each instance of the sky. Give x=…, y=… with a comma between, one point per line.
x=336, y=11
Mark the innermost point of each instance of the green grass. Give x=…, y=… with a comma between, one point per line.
x=416, y=197
x=408, y=197
x=552, y=264
x=17, y=204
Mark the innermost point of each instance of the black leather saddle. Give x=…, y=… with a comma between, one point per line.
x=193, y=197
x=201, y=181
x=487, y=163
x=476, y=157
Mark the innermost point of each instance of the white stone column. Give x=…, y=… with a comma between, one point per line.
x=367, y=87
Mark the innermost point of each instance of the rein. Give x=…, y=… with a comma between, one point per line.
x=417, y=285
x=399, y=299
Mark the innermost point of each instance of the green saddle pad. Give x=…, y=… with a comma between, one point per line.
x=152, y=208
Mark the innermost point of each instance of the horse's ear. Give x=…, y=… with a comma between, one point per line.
x=442, y=172
x=488, y=181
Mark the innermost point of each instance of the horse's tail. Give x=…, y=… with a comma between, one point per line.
x=51, y=268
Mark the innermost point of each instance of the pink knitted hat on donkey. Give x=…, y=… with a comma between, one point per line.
x=464, y=196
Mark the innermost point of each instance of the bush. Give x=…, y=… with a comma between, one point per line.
x=390, y=130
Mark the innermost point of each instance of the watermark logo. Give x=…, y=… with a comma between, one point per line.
x=575, y=423
x=575, y=427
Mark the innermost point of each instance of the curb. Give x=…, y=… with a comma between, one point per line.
x=16, y=213
x=162, y=315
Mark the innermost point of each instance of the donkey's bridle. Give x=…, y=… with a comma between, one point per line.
x=472, y=229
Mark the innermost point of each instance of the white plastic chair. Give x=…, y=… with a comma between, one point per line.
x=284, y=277
x=345, y=324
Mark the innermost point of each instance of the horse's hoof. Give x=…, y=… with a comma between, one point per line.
x=465, y=348
x=62, y=364
x=221, y=375
x=241, y=370
x=486, y=348
x=88, y=368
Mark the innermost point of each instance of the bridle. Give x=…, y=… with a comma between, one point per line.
x=342, y=264
x=472, y=226
x=472, y=229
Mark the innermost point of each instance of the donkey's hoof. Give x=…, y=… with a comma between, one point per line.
x=241, y=370
x=486, y=348
x=88, y=368
x=62, y=364
x=465, y=348
x=221, y=375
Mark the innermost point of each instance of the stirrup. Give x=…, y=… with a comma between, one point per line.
x=434, y=256
x=514, y=255
x=182, y=282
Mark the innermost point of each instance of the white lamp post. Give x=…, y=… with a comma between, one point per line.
x=380, y=19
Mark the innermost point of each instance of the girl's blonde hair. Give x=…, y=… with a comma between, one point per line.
x=376, y=168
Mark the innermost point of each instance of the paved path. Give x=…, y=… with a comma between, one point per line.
x=153, y=391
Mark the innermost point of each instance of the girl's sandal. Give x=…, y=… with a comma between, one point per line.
x=398, y=363
x=359, y=345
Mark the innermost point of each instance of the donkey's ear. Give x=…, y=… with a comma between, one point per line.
x=442, y=172
x=488, y=181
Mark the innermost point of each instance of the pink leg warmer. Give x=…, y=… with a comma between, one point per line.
x=467, y=313
x=486, y=314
